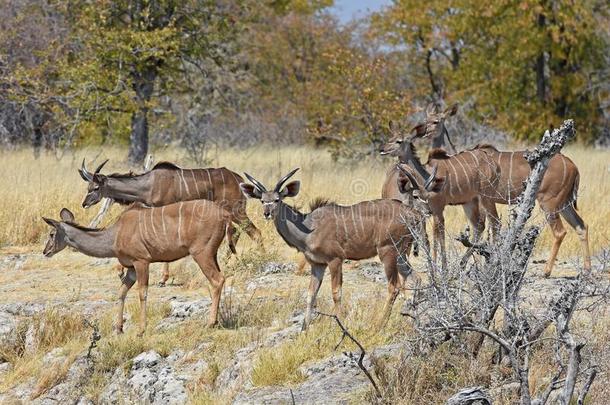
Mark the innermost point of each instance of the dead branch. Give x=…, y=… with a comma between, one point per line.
x=585, y=389
x=95, y=336
x=362, y=351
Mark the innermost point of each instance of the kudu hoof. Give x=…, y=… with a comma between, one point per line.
x=161, y=284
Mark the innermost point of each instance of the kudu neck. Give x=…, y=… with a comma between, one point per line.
x=409, y=157
x=128, y=189
x=290, y=224
x=96, y=243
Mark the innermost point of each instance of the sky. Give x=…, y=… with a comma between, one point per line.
x=347, y=9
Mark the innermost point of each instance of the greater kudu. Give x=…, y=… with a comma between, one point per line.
x=144, y=235
x=557, y=194
x=331, y=233
x=460, y=179
x=167, y=183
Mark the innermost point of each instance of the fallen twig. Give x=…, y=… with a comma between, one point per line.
x=362, y=351
x=95, y=336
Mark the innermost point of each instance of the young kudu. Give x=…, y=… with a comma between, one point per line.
x=444, y=180
x=331, y=233
x=144, y=235
x=167, y=183
x=556, y=196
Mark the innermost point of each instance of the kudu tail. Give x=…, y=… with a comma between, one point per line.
x=230, y=235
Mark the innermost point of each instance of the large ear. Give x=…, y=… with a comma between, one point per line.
x=291, y=189
x=66, y=215
x=250, y=191
x=392, y=126
x=51, y=222
x=420, y=130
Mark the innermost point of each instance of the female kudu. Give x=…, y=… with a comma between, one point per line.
x=144, y=235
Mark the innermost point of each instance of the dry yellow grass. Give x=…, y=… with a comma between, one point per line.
x=32, y=188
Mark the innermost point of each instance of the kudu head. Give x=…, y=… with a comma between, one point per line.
x=434, y=125
x=271, y=200
x=422, y=191
x=96, y=182
x=57, y=240
x=395, y=146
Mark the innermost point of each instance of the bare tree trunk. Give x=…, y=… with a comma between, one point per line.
x=143, y=85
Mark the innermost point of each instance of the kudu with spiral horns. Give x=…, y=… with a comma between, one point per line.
x=331, y=233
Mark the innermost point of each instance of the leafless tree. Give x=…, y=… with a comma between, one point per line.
x=462, y=301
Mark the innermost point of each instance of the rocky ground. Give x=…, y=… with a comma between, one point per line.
x=31, y=285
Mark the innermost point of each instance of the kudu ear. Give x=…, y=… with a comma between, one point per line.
x=66, y=215
x=419, y=130
x=291, y=189
x=250, y=191
x=51, y=222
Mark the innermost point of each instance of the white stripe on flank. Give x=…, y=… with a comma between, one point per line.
x=563, y=160
x=180, y=223
x=193, y=210
x=463, y=168
x=140, y=226
x=345, y=226
x=211, y=192
x=163, y=222
x=152, y=222
x=476, y=159
x=354, y=220
x=186, y=186
x=224, y=189
x=457, y=180
x=180, y=189
x=195, y=181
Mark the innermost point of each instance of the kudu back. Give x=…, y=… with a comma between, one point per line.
x=331, y=233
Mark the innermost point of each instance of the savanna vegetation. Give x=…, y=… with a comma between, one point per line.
x=264, y=87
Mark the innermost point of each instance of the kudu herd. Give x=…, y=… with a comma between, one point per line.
x=167, y=183
x=503, y=173
x=174, y=212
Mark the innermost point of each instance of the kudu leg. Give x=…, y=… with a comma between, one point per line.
x=494, y=219
x=209, y=266
x=142, y=278
x=559, y=233
x=473, y=213
x=439, y=241
x=336, y=278
x=576, y=222
x=389, y=258
x=165, y=275
x=317, y=275
x=128, y=279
